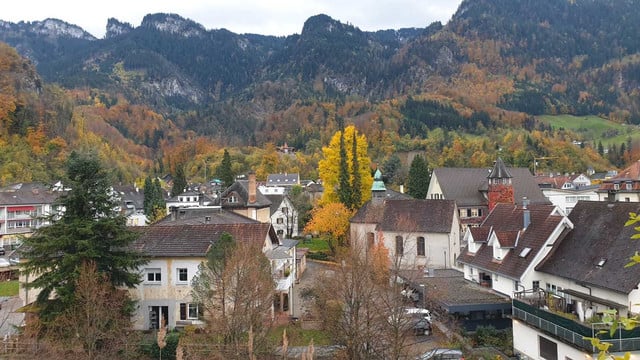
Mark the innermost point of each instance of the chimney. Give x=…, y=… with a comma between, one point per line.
x=252, y=187
x=526, y=214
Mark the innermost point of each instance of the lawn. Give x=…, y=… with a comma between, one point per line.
x=593, y=128
x=9, y=288
x=316, y=244
x=296, y=336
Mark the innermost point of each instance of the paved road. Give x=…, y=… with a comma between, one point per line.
x=9, y=319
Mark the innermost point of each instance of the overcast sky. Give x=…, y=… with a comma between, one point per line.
x=266, y=17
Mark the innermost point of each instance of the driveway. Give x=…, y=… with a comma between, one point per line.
x=9, y=318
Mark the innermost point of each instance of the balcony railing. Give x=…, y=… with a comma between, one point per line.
x=575, y=332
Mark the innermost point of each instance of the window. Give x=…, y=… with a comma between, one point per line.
x=153, y=275
x=469, y=214
x=548, y=348
x=616, y=186
x=189, y=311
x=535, y=285
x=285, y=210
x=516, y=284
x=420, y=246
x=183, y=275
x=399, y=246
x=629, y=185
x=371, y=239
x=279, y=221
x=475, y=212
x=280, y=233
x=233, y=199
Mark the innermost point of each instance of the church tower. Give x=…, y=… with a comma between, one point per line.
x=500, y=186
x=378, y=190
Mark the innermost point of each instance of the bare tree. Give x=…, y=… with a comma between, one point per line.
x=96, y=324
x=238, y=298
x=363, y=307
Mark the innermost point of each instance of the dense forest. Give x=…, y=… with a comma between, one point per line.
x=152, y=98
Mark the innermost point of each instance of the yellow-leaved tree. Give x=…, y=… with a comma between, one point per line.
x=331, y=219
x=329, y=167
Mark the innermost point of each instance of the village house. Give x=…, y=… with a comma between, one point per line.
x=583, y=275
x=418, y=233
x=564, y=191
x=22, y=207
x=625, y=186
x=178, y=245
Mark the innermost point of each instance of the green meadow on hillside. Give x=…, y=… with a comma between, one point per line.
x=593, y=128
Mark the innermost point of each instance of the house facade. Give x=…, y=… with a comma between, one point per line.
x=176, y=251
x=501, y=253
x=284, y=216
x=476, y=190
x=625, y=186
x=583, y=276
x=22, y=207
x=418, y=234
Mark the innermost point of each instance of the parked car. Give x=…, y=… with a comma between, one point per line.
x=4, y=262
x=2, y=252
x=422, y=327
x=424, y=313
x=442, y=354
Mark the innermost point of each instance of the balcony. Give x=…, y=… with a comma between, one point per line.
x=549, y=314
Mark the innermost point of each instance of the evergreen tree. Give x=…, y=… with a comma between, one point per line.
x=179, y=181
x=89, y=230
x=149, y=195
x=600, y=148
x=356, y=184
x=345, y=193
x=224, y=172
x=419, y=177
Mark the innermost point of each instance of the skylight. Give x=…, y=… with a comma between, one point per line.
x=525, y=252
x=601, y=262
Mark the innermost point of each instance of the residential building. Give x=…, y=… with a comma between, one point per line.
x=22, y=208
x=286, y=180
x=583, y=275
x=476, y=190
x=625, y=186
x=177, y=249
x=502, y=252
x=189, y=199
x=131, y=200
x=243, y=197
x=564, y=191
x=418, y=233
x=284, y=216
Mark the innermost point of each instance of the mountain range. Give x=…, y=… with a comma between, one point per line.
x=500, y=58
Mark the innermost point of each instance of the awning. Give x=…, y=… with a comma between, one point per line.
x=592, y=298
x=21, y=208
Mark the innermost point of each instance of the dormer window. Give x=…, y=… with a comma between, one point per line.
x=233, y=199
x=616, y=186
x=628, y=185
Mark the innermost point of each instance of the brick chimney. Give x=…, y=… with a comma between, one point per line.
x=252, y=187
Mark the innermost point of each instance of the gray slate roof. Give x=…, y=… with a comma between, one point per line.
x=283, y=179
x=408, y=215
x=204, y=215
x=467, y=185
x=195, y=240
x=28, y=194
x=599, y=234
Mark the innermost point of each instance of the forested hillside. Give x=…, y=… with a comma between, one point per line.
x=171, y=93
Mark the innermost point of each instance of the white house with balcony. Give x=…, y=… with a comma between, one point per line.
x=22, y=207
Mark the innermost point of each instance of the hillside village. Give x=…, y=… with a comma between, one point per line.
x=496, y=247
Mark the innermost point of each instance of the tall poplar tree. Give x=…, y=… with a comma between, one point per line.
x=419, y=177
x=89, y=230
x=345, y=193
x=356, y=184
